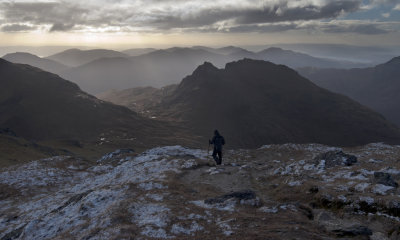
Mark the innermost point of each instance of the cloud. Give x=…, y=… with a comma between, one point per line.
x=42, y=13
x=341, y=26
x=17, y=28
x=377, y=3
x=397, y=7
x=188, y=15
x=60, y=27
x=386, y=15
x=270, y=12
x=360, y=28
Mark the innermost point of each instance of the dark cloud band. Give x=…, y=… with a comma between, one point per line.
x=168, y=15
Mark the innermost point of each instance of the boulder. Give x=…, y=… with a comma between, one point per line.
x=241, y=195
x=385, y=179
x=353, y=231
x=335, y=158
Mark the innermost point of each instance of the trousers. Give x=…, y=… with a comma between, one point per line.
x=218, y=159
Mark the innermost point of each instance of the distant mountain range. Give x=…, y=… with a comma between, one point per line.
x=138, y=51
x=164, y=67
x=371, y=55
x=253, y=102
x=100, y=70
x=376, y=87
x=76, y=57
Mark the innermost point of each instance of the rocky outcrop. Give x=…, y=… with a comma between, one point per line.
x=353, y=231
x=385, y=179
x=336, y=158
x=241, y=196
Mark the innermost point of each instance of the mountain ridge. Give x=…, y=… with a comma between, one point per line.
x=253, y=102
x=375, y=87
x=33, y=60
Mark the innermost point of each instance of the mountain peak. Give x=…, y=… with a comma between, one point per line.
x=20, y=54
x=250, y=63
x=205, y=67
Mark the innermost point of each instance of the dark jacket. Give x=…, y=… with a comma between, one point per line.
x=218, y=142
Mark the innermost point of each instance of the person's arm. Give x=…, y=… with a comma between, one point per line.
x=223, y=141
x=211, y=141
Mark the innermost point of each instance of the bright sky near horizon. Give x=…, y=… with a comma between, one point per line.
x=194, y=22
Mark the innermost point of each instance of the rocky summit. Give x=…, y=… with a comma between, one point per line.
x=289, y=191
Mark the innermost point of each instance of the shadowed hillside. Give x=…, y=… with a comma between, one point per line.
x=376, y=87
x=39, y=105
x=254, y=102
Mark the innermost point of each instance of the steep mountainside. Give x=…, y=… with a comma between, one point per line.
x=35, y=61
x=76, y=57
x=254, y=102
x=40, y=105
x=376, y=87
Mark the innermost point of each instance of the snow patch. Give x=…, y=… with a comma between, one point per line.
x=179, y=229
x=361, y=187
x=368, y=200
x=381, y=189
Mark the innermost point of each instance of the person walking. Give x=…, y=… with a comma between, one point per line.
x=218, y=141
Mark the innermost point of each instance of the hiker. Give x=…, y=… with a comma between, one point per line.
x=217, y=141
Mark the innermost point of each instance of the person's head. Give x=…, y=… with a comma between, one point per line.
x=216, y=133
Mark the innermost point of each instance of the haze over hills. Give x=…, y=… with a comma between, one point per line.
x=156, y=69
x=33, y=60
x=38, y=105
x=138, y=51
x=376, y=87
x=371, y=55
x=76, y=57
x=297, y=59
x=253, y=102
x=164, y=67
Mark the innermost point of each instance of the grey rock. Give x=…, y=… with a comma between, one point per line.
x=385, y=179
x=14, y=234
x=114, y=154
x=241, y=195
x=336, y=158
x=353, y=231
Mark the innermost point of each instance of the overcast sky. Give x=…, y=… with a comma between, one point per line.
x=193, y=22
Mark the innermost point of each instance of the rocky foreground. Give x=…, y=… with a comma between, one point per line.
x=275, y=192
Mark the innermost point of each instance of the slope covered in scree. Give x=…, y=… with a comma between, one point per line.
x=274, y=192
x=255, y=102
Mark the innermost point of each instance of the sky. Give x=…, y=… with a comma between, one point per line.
x=150, y=23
